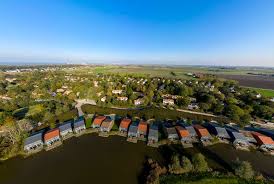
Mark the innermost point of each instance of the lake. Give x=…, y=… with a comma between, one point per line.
x=94, y=159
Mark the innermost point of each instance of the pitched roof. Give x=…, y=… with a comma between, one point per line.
x=106, y=123
x=98, y=120
x=51, y=134
x=182, y=131
x=65, y=126
x=201, y=131
x=33, y=138
x=142, y=126
x=191, y=130
x=153, y=133
x=171, y=130
x=262, y=139
x=125, y=123
x=78, y=123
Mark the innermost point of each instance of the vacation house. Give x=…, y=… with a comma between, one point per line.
x=142, y=129
x=184, y=135
x=202, y=133
x=52, y=137
x=123, y=128
x=264, y=142
x=79, y=125
x=107, y=125
x=133, y=128
x=98, y=121
x=66, y=129
x=153, y=136
x=218, y=131
x=33, y=143
x=239, y=140
x=170, y=132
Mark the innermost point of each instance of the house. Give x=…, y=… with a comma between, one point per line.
x=33, y=142
x=79, y=125
x=239, y=140
x=139, y=101
x=218, y=131
x=122, y=98
x=202, y=133
x=191, y=131
x=142, y=129
x=184, y=135
x=168, y=101
x=265, y=142
x=98, y=121
x=124, y=125
x=133, y=128
x=170, y=132
x=66, y=129
x=52, y=137
x=153, y=136
x=107, y=125
x=117, y=91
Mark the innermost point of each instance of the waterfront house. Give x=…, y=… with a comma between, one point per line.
x=123, y=128
x=153, y=136
x=66, y=129
x=52, y=137
x=264, y=142
x=142, y=129
x=107, y=125
x=133, y=128
x=79, y=125
x=33, y=142
x=170, y=132
x=202, y=133
x=218, y=131
x=239, y=140
x=98, y=121
x=184, y=135
x=249, y=136
x=191, y=131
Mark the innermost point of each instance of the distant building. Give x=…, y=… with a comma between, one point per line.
x=193, y=106
x=65, y=129
x=52, y=136
x=107, y=125
x=79, y=125
x=98, y=121
x=168, y=101
x=124, y=125
x=117, y=91
x=33, y=142
x=122, y=98
x=103, y=99
x=142, y=129
x=139, y=101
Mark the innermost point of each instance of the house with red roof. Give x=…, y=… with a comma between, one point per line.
x=264, y=141
x=203, y=134
x=124, y=125
x=52, y=137
x=142, y=129
x=98, y=121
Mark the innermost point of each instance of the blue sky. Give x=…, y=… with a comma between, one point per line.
x=212, y=32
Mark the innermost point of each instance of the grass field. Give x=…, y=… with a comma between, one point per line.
x=264, y=92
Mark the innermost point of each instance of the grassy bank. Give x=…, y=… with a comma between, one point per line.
x=148, y=113
x=264, y=92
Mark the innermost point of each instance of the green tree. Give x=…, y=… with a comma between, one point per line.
x=175, y=165
x=186, y=164
x=244, y=170
x=199, y=163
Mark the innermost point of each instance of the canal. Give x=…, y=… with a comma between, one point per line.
x=93, y=159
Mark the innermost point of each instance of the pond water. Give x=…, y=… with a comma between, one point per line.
x=93, y=159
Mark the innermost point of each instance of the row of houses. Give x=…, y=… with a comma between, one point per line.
x=54, y=137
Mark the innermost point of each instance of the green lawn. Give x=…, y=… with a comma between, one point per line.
x=88, y=122
x=264, y=92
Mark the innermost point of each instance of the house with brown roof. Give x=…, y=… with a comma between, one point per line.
x=107, y=125
x=202, y=133
x=265, y=142
x=142, y=129
x=124, y=125
x=184, y=135
x=98, y=121
x=52, y=137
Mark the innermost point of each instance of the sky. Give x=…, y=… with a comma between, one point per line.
x=180, y=32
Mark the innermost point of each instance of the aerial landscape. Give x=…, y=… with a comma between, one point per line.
x=146, y=92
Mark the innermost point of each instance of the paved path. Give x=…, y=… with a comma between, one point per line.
x=194, y=112
x=81, y=102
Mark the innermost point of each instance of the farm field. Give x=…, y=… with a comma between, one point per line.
x=264, y=92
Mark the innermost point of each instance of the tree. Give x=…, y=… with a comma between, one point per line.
x=35, y=112
x=244, y=170
x=175, y=166
x=199, y=163
x=186, y=164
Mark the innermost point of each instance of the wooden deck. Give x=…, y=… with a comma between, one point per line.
x=131, y=139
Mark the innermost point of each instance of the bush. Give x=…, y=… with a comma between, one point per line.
x=199, y=163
